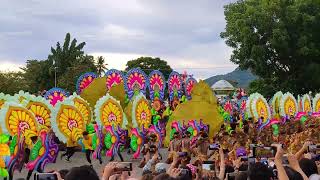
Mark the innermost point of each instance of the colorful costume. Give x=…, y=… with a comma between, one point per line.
x=114, y=77
x=82, y=105
x=108, y=112
x=260, y=108
x=84, y=81
x=115, y=138
x=276, y=102
x=288, y=106
x=137, y=141
x=136, y=82
x=21, y=124
x=175, y=89
x=110, y=116
x=41, y=108
x=189, y=86
x=316, y=103
x=157, y=87
x=141, y=112
x=56, y=94
x=68, y=122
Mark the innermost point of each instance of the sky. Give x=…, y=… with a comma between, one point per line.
x=185, y=33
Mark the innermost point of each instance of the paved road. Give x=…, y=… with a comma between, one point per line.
x=79, y=159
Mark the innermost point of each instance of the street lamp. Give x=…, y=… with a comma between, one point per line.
x=55, y=76
x=55, y=73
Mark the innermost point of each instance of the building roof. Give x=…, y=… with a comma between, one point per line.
x=222, y=85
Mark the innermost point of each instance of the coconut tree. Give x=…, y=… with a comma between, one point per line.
x=101, y=65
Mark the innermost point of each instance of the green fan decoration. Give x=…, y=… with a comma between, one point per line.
x=303, y=119
x=153, y=112
x=4, y=138
x=94, y=141
x=175, y=94
x=5, y=151
x=134, y=143
x=246, y=116
x=156, y=119
x=275, y=128
x=35, y=150
x=90, y=128
x=226, y=116
x=107, y=141
x=240, y=124
x=127, y=100
x=172, y=133
x=3, y=172
x=13, y=144
x=190, y=129
x=156, y=94
x=184, y=98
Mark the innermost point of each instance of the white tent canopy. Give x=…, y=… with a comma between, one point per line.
x=222, y=85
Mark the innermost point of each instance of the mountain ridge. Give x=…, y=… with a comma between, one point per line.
x=238, y=78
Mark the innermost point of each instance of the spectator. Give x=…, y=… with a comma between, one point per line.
x=308, y=166
x=63, y=173
x=241, y=176
x=292, y=174
x=160, y=168
x=259, y=171
x=82, y=173
x=163, y=176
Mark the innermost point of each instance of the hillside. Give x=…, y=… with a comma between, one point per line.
x=237, y=78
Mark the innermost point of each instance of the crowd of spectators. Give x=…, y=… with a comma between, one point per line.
x=240, y=154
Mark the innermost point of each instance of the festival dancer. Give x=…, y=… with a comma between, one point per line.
x=10, y=173
x=87, y=142
x=201, y=148
x=123, y=137
x=186, y=142
x=153, y=142
x=174, y=147
x=27, y=154
x=151, y=147
x=70, y=150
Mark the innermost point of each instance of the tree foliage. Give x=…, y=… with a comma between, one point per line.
x=68, y=79
x=37, y=75
x=101, y=66
x=69, y=61
x=67, y=55
x=12, y=82
x=279, y=40
x=147, y=64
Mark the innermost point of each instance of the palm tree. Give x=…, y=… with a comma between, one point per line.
x=67, y=55
x=101, y=66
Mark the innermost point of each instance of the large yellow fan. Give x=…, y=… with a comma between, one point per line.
x=316, y=103
x=83, y=106
x=108, y=111
x=288, y=105
x=69, y=122
x=16, y=119
x=41, y=109
x=306, y=103
x=6, y=98
x=141, y=112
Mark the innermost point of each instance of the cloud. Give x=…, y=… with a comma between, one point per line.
x=185, y=33
x=117, y=60
x=8, y=66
